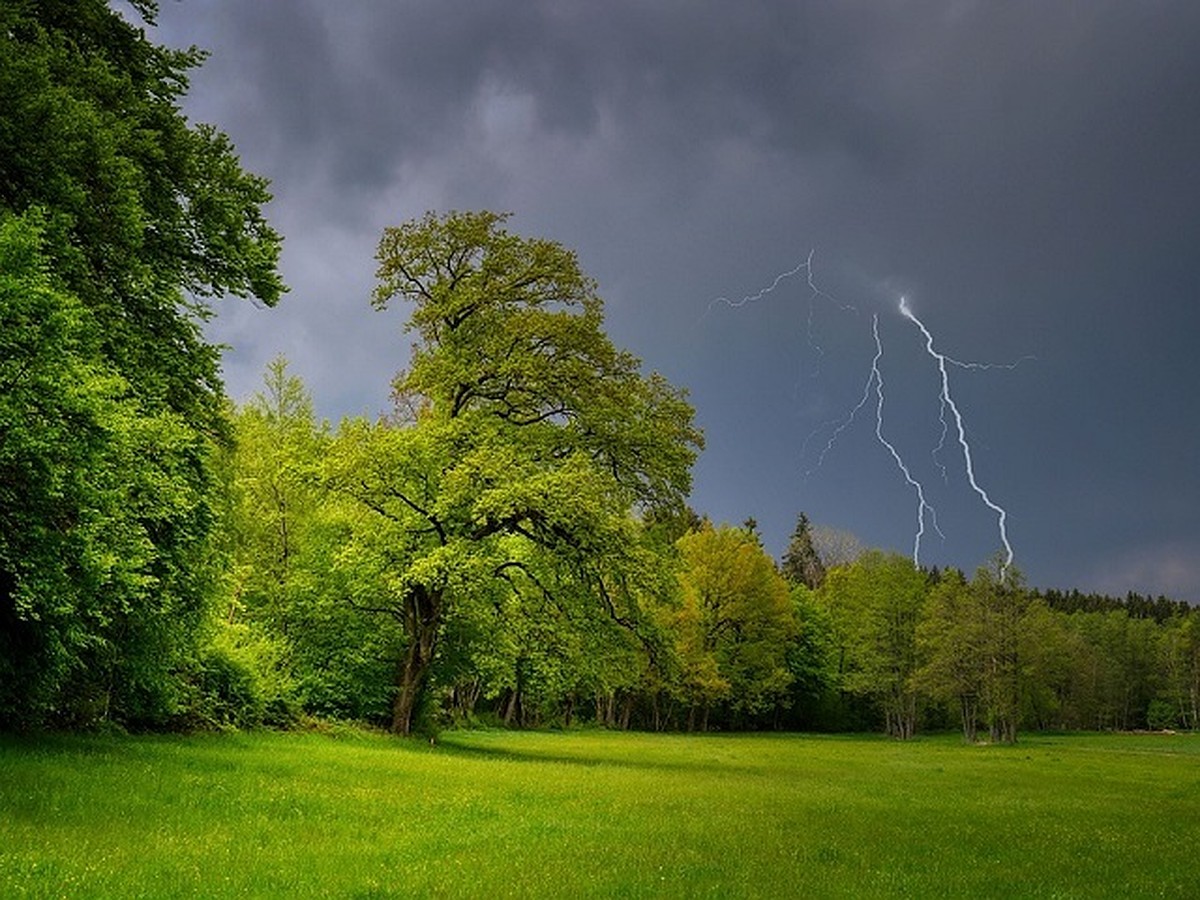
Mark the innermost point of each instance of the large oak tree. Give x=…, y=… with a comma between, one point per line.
x=527, y=440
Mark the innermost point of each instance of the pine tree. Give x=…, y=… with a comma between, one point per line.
x=801, y=562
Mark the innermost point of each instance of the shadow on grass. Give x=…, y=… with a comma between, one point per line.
x=220, y=750
x=453, y=745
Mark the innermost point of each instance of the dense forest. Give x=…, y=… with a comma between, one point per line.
x=510, y=544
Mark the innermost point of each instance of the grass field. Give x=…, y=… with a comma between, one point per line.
x=591, y=813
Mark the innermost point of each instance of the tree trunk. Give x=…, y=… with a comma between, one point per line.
x=1194, y=697
x=1003, y=730
x=422, y=620
x=966, y=706
x=510, y=709
x=410, y=686
x=912, y=716
x=608, y=709
x=465, y=696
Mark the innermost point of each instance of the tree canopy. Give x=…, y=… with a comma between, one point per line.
x=734, y=624
x=531, y=440
x=146, y=214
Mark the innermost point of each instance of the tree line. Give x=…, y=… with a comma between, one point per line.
x=717, y=634
x=510, y=544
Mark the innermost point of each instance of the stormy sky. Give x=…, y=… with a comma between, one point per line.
x=1027, y=174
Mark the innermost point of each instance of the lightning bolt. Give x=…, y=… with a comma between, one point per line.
x=814, y=292
x=875, y=380
x=922, y=505
x=760, y=294
x=948, y=410
x=947, y=402
x=950, y=360
x=841, y=424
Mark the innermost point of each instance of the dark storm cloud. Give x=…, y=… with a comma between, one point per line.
x=1026, y=171
x=354, y=86
x=1050, y=105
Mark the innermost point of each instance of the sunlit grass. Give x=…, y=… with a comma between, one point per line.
x=596, y=813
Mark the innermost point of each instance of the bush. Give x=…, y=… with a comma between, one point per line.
x=230, y=694
x=240, y=680
x=1161, y=715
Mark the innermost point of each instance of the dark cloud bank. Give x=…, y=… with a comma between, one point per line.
x=1026, y=173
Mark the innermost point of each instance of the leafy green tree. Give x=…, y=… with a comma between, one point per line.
x=138, y=218
x=1127, y=666
x=96, y=619
x=531, y=437
x=274, y=504
x=801, y=562
x=141, y=205
x=275, y=494
x=533, y=647
x=812, y=661
x=875, y=604
x=342, y=659
x=1181, y=665
x=734, y=625
x=285, y=616
x=1000, y=597
x=669, y=525
x=949, y=640
x=1056, y=660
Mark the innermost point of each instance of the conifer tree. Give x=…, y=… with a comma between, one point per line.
x=801, y=562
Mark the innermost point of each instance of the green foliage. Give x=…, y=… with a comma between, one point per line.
x=537, y=644
x=1055, y=657
x=93, y=132
x=1122, y=669
x=1006, y=658
x=734, y=625
x=523, y=440
x=875, y=604
x=1181, y=667
x=105, y=563
x=343, y=658
x=1161, y=715
x=274, y=495
x=111, y=206
x=950, y=640
x=812, y=661
x=264, y=658
x=1002, y=603
x=229, y=695
x=140, y=204
x=289, y=582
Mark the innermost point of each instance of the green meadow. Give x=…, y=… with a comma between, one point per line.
x=593, y=813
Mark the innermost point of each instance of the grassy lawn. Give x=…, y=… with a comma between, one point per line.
x=593, y=813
